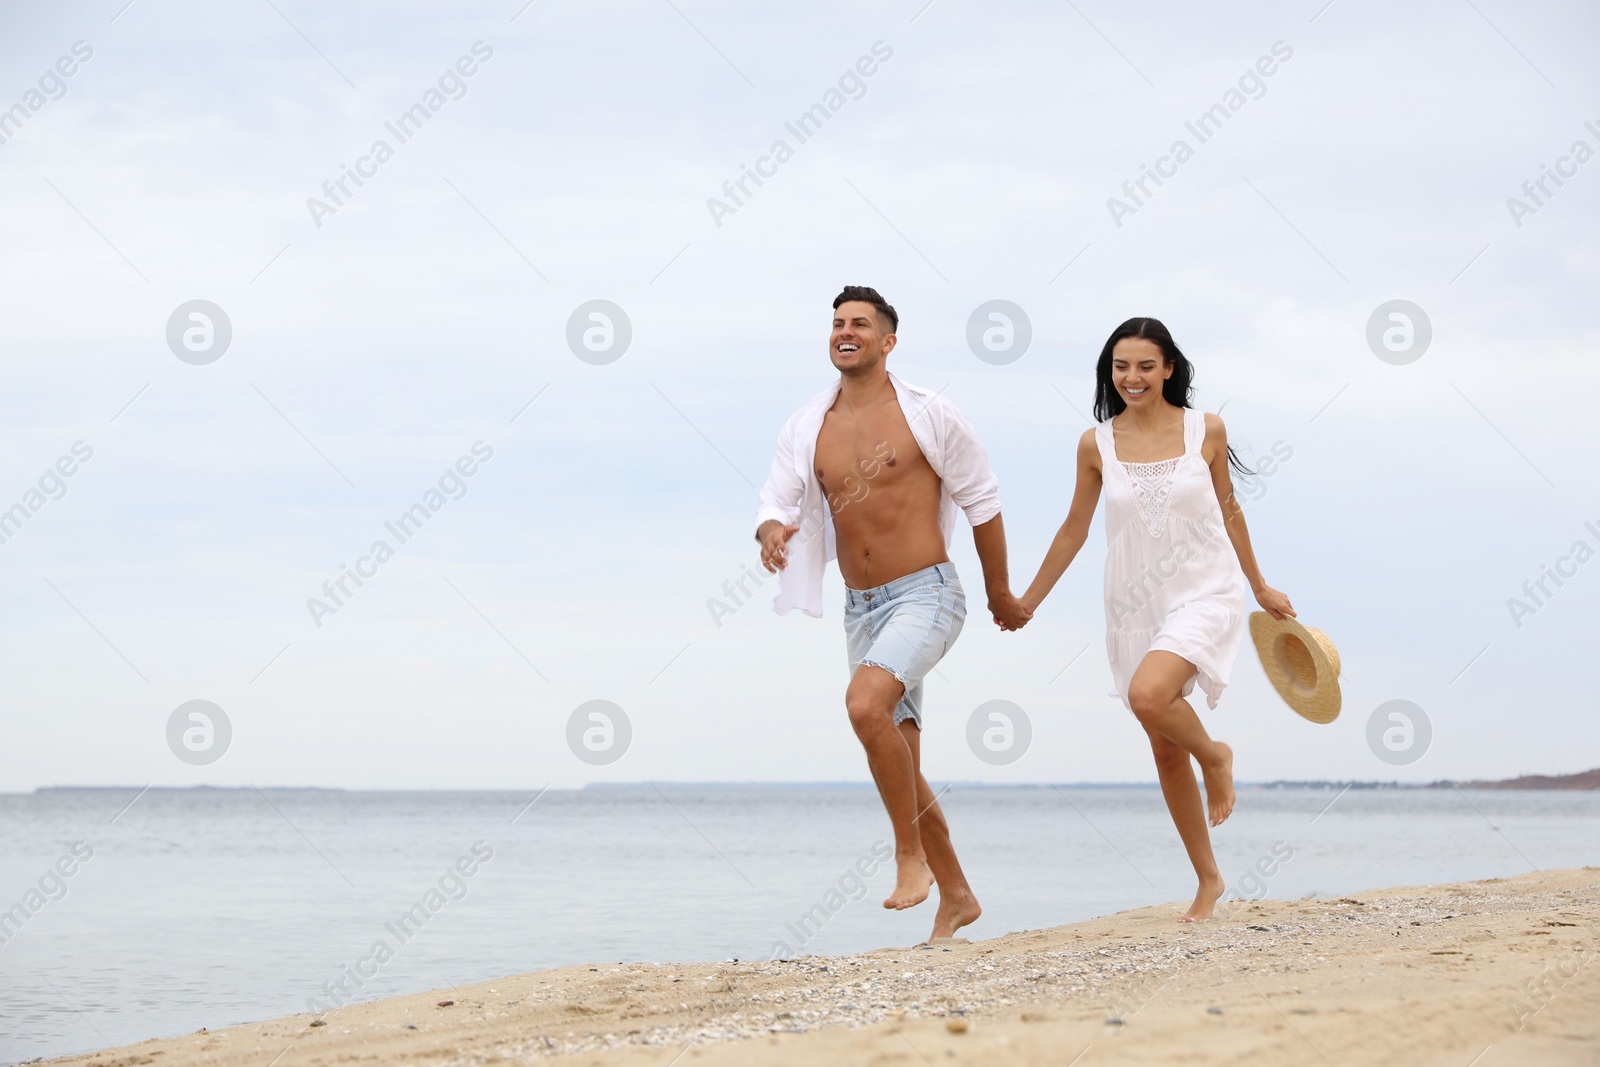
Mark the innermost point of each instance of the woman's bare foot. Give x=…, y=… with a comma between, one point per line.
x=1219, y=787
x=954, y=913
x=1205, y=900
x=913, y=879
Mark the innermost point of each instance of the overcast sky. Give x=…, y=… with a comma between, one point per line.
x=376, y=339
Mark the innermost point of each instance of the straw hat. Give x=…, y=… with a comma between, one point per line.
x=1301, y=663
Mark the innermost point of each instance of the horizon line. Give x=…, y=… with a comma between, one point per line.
x=643, y=784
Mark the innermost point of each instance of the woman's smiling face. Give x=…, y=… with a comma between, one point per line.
x=1138, y=370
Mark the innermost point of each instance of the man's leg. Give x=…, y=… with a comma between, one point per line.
x=957, y=905
x=871, y=700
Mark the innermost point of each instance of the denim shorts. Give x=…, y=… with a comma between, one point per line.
x=905, y=627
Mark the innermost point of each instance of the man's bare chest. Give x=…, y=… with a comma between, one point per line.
x=855, y=454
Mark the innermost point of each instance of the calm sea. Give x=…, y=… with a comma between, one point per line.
x=212, y=907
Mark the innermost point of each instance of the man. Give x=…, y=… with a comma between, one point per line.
x=892, y=463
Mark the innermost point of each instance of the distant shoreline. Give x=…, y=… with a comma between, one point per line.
x=1582, y=781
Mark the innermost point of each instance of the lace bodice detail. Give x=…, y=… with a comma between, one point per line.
x=1152, y=488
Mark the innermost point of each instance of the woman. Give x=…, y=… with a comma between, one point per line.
x=1175, y=596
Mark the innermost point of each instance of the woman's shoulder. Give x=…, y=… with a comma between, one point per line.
x=1089, y=444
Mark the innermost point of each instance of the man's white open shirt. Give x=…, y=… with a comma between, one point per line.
x=793, y=495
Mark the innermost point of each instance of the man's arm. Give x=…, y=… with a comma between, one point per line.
x=781, y=498
x=966, y=472
x=990, y=541
x=976, y=491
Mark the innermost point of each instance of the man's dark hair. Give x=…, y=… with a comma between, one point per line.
x=868, y=295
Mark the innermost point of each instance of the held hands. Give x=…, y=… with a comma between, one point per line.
x=1009, y=612
x=1273, y=602
x=774, y=537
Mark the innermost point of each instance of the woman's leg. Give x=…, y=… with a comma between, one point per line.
x=1182, y=794
x=1156, y=696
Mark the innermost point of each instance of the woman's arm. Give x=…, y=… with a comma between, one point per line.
x=1216, y=443
x=1075, y=530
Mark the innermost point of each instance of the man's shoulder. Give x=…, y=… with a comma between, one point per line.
x=912, y=389
x=923, y=403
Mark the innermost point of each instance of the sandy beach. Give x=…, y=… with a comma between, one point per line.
x=1498, y=972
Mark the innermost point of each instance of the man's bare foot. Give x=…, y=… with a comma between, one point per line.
x=1205, y=901
x=954, y=913
x=1219, y=787
x=913, y=879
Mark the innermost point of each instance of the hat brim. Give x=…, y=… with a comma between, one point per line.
x=1289, y=650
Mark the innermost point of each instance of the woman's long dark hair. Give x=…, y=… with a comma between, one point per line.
x=1177, y=390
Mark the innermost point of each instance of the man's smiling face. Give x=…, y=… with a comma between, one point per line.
x=858, y=342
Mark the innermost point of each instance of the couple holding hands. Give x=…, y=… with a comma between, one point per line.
x=873, y=470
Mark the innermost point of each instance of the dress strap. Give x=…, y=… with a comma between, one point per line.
x=1194, y=430
x=1108, y=446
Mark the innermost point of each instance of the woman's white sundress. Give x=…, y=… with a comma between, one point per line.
x=1172, y=579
